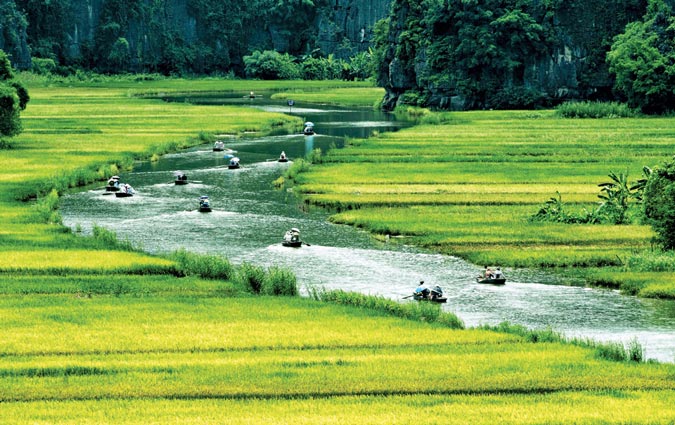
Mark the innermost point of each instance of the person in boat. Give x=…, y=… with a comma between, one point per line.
x=422, y=291
x=282, y=157
x=292, y=235
x=204, y=202
x=114, y=182
x=487, y=274
x=497, y=274
x=435, y=293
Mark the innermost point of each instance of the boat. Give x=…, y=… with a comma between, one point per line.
x=309, y=128
x=440, y=299
x=292, y=238
x=234, y=163
x=218, y=146
x=125, y=191
x=113, y=184
x=283, y=157
x=491, y=280
x=204, y=205
x=492, y=276
x=434, y=295
x=180, y=178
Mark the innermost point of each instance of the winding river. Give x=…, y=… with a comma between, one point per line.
x=250, y=217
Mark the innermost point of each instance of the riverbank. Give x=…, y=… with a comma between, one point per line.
x=95, y=331
x=468, y=183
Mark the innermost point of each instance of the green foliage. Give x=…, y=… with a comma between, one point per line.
x=613, y=351
x=421, y=311
x=205, y=266
x=274, y=281
x=643, y=60
x=46, y=209
x=271, y=65
x=251, y=276
x=279, y=281
x=109, y=239
x=321, y=68
x=616, y=196
x=588, y=109
x=13, y=98
x=659, y=203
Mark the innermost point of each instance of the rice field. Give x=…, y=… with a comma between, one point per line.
x=182, y=348
x=468, y=184
x=86, y=340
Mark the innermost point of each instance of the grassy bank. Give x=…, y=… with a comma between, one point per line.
x=88, y=338
x=468, y=183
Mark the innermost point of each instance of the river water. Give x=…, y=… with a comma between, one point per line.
x=250, y=217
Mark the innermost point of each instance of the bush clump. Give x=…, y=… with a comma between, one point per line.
x=590, y=109
x=206, y=266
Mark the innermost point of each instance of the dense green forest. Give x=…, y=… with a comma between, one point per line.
x=452, y=54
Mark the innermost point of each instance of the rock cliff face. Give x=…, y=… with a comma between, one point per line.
x=13, y=35
x=164, y=35
x=341, y=27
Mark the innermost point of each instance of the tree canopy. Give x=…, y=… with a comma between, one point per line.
x=643, y=60
x=13, y=99
x=659, y=203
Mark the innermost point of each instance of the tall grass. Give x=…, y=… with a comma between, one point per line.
x=589, y=109
x=420, y=311
x=206, y=266
x=614, y=351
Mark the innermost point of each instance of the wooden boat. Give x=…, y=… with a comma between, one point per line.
x=491, y=280
x=292, y=238
x=204, y=205
x=234, y=163
x=125, y=191
x=433, y=299
x=218, y=146
x=180, y=178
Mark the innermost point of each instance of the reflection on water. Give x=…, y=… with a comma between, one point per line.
x=250, y=217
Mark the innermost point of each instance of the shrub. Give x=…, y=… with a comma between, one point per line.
x=46, y=210
x=589, y=109
x=659, y=203
x=271, y=65
x=279, y=281
x=206, y=266
x=251, y=276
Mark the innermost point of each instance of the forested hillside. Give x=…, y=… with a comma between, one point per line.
x=459, y=54
x=185, y=36
x=464, y=54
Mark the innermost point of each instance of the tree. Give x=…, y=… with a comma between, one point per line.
x=643, y=60
x=659, y=203
x=13, y=99
x=271, y=65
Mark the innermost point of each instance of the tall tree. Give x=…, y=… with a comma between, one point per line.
x=643, y=60
x=13, y=99
x=659, y=203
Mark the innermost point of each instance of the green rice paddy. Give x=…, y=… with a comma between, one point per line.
x=87, y=341
x=468, y=184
